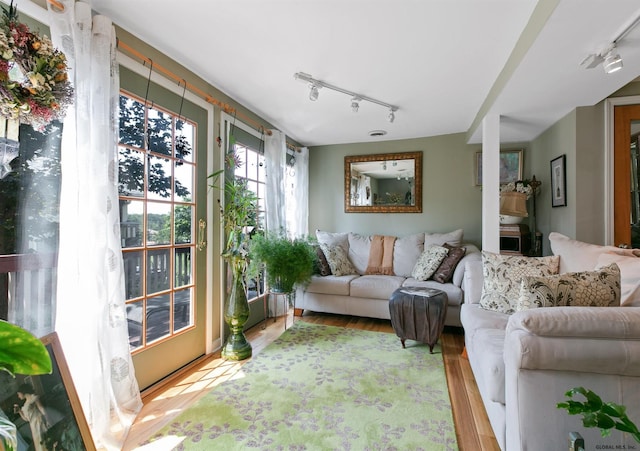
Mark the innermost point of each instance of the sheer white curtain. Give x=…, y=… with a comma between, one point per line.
x=91, y=318
x=275, y=155
x=297, y=200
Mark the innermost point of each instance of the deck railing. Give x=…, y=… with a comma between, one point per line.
x=28, y=283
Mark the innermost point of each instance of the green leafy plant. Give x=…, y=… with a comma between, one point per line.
x=287, y=261
x=20, y=353
x=239, y=213
x=596, y=413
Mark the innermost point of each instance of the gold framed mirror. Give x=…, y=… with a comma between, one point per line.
x=383, y=183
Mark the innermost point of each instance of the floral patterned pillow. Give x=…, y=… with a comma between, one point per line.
x=338, y=260
x=429, y=261
x=599, y=288
x=503, y=275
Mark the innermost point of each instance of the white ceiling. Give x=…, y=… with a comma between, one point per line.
x=438, y=60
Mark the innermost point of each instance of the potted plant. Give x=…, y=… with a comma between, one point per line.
x=287, y=261
x=239, y=215
x=20, y=353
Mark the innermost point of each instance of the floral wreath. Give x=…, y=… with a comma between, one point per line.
x=34, y=87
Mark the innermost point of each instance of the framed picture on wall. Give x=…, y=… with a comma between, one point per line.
x=46, y=409
x=558, y=182
x=510, y=166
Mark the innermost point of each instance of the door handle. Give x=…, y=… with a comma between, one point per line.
x=202, y=227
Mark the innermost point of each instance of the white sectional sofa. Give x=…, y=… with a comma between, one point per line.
x=360, y=294
x=526, y=361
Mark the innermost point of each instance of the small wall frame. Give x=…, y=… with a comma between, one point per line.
x=559, y=182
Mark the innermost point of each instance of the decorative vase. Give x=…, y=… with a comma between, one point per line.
x=508, y=219
x=236, y=314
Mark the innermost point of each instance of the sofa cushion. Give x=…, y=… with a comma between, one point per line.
x=579, y=256
x=453, y=238
x=444, y=273
x=503, y=274
x=629, y=276
x=428, y=262
x=600, y=288
x=359, y=247
x=375, y=286
x=406, y=252
x=338, y=260
x=333, y=239
x=491, y=365
x=338, y=285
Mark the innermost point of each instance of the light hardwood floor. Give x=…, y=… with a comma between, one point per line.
x=165, y=402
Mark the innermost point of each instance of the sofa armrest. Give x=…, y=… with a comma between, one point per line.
x=468, y=276
x=602, y=340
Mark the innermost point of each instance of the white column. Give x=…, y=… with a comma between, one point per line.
x=491, y=183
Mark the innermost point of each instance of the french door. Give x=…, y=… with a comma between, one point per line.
x=162, y=187
x=626, y=165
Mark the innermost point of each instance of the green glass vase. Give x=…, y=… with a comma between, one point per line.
x=236, y=314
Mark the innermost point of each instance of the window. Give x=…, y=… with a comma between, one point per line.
x=252, y=169
x=157, y=211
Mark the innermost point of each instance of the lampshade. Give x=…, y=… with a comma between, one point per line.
x=513, y=203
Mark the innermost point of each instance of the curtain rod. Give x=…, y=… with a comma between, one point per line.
x=207, y=97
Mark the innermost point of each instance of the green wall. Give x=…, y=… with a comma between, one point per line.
x=450, y=199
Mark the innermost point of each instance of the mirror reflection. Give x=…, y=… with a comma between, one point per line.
x=384, y=183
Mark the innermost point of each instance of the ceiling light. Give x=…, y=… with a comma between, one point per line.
x=356, y=98
x=313, y=94
x=355, y=105
x=612, y=62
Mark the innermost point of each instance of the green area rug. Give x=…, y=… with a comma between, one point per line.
x=325, y=388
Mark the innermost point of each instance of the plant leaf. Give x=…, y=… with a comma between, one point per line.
x=21, y=352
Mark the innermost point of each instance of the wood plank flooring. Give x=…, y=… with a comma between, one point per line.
x=167, y=400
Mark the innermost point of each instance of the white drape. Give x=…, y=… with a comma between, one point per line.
x=275, y=155
x=298, y=202
x=91, y=319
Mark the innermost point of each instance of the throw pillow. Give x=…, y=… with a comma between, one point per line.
x=333, y=239
x=599, y=288
x=503, y=274
x=578, y=256
x=629, y=276
x=444, y=273
x=406, y=251
x=453, y=238
x=428, y=262
x=338, y=260
x=323, y=265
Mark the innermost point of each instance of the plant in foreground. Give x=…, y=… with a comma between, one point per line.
x=596, y=413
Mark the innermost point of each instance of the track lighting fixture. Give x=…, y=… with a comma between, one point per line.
x=612, y=62
x=313, y=94
x=356, y=99
x=355, y=104
x=608, y=57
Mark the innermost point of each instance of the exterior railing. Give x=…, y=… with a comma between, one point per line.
x=28, y=283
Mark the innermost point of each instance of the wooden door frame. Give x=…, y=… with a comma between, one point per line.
x=609, y=136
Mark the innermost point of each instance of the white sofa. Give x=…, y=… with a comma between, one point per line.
x=525, y=362
x=365, y=295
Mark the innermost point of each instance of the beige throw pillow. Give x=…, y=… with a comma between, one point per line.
x=338, y=260
x=599, y=288
x=428, y=262
x=503, y=275
x=629, y=276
